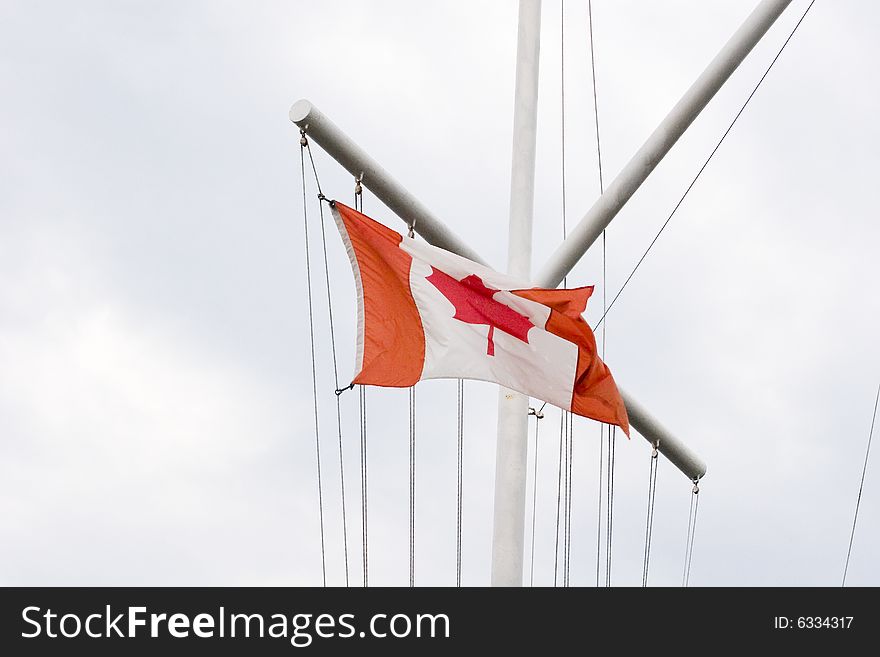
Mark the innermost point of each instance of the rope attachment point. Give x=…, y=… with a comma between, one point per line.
x=539, y=413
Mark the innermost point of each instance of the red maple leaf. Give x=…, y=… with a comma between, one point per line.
x=475, y=304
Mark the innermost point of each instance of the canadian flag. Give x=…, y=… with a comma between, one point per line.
x=426, y=313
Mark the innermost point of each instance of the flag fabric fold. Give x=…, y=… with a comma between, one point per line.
x=426, y=313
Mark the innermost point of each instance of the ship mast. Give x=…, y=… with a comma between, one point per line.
x=511, y=451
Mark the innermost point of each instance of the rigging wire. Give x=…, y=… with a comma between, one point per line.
x=687, y=543
x=558, y=496
x=703, y=167
x=362, y=399
x=563, y=502
x=599, y=511
x=362, y=408
x=562, y=105
x=595, y=96
x=460, y=482
x=612, y=447
x=692, y=529
x=569, y=500
x=303, y=143
x=861, y=486
x=603, y=429
x=335, y=363
x=564, y=567
x=539, y=415
x=412, y=486
x=649, y=525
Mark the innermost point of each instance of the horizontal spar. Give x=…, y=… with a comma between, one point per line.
x=679, y=454
x=631, y=177
x=353, y=158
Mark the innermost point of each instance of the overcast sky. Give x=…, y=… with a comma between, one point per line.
x=156, y=422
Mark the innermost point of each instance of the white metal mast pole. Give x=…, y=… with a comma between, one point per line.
x=512, y=447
